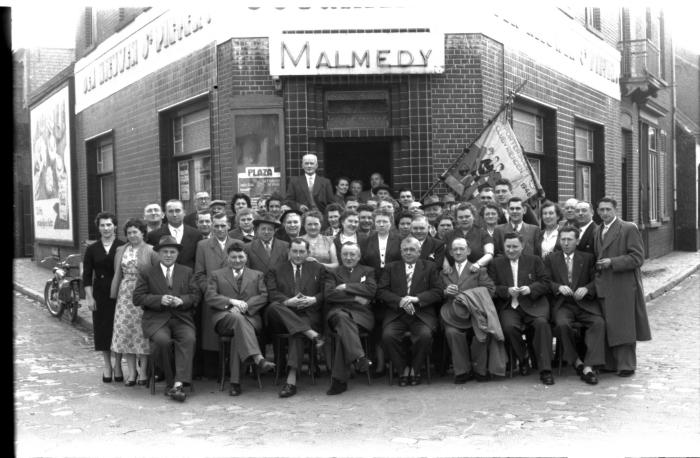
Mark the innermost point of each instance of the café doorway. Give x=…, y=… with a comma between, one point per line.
x=358, y=159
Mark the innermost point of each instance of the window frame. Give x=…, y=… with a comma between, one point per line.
x=98, y=176
x=587, y=176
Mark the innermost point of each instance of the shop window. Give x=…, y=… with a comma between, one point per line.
x=101, y=180
x=357, y=109
x=588, y=156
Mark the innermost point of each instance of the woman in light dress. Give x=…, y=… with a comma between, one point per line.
x=321, y=247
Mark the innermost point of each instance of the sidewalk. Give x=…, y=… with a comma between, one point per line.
x=658, y=275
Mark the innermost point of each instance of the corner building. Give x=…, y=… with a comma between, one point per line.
x=170, y=102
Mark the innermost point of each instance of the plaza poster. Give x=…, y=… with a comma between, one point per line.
x=259, y=183
x=51, y=169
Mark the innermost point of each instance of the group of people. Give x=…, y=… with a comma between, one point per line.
x=339, y=270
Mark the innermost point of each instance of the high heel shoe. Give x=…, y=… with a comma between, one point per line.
x=119, y=378
x=106, y=379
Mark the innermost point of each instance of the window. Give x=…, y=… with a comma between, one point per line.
x=593, y=19
x=585, y=148
x=191, y=146
x=653, y=189
x=90, y=27
x=662, y=146
x=535, y=128
x=529, y=129
x=357, y=109
x=101, y=183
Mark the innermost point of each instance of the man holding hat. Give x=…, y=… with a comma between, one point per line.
x=237, y=296
x=266, y=251
x=168, y=294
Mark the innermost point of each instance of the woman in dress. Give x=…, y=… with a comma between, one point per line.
x=550, y=214
x=491, y=214
x=321, y=247
x=342, y=186
x=98, y=270
x=131, y=259
x=349, y=222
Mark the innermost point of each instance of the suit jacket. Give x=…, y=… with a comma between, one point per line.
x=467, y=280
x=531, y=272
x=146, y=258
x=371, y=256
x=587, y=241
x=425, y=285
x=529, y=216
x=258, y=259
x=530, y=233
x=359, y=282
x=150, y=289
x=237, y=234
x=190, y=237
x=364, y=196
x=433, y=250
x=280, y=286
x=583, y=275
x=221, y=287
x=191, y=219
x=210, y=257
x=338, y=246
x=621, y=285
x=298, y=192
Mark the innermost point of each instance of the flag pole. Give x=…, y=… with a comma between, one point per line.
x=504, y=105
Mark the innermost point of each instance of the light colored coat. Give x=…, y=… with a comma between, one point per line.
x=146, y=258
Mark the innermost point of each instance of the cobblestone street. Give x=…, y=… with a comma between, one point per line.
x=63, y=409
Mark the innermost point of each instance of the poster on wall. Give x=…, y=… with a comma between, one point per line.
x=51, y=169
x=259, y=183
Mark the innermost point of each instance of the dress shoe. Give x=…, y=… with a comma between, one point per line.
x=403, y=380
x=524, y=368
x=177, y=394
x=141, y=382
x=106, y=379
x=579, y=370
x=119, y=378
x=547, y=378
x=265, y=366
x=482, y=378
x=337, y=387
x=626, y=373
x=415, y=380
x=130, y=382
x=362, y=364
x=235, y=389
x=463, y=378
x=590, y=378
x=288, y=390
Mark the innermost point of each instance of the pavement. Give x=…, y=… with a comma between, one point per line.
x=659, y=275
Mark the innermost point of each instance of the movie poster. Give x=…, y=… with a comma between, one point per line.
x=51, y=169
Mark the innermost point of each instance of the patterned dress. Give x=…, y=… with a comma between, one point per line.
x=320, y=248
x=128, y=333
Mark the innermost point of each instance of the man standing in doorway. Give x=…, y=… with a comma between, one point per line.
x=309, y=191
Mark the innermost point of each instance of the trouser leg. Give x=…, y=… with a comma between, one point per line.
x=421, y=343
x=457, y=341
x=594, y=338
x=479, y=354
x=160, y=349
x=392, y=337
x=565, y=333
x=348, y=346
x=625, y=356
x=512, y=325
x=184, y=340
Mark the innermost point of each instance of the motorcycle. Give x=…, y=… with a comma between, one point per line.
x=64, y=291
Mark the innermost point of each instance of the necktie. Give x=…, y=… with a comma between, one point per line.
x=174, y=234
x=514, y=267
x=297, y=279
x=409, y=277
x=268, y=248
x=237, y=276
x=605, y=231
x=569, y=267
x=311, y=191
x=168, y=278
x=460, y=267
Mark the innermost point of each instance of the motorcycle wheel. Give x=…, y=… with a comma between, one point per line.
x=51, y=300
x=72, y=308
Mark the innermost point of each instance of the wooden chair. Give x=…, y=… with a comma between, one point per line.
x=278, y=347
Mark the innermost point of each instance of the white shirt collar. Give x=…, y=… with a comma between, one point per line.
x=607, y=226
x=165, y=269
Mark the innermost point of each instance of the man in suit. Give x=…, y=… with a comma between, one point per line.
x=309, y=191
x=153, y=216
x=185, y=235
x=266, y=251
x=503, y=190
x=238, y=296
x=587, y=228
x=375, y=180
x=620, y=254
x=572, y=273
x=530, y=234
x=201, y=202
x=569, y=212
x=245, y=230
x=167, y=292
x=295, y=289
x=349, y=290
x=410, y=290
x=204, y=224
x=211, y=256
x=431, y=249
x=521, y=287
x=468, y=364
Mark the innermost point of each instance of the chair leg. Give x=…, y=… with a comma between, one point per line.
x=390, y=373
x=427, y=366
x=223, y=352
x=312, y=361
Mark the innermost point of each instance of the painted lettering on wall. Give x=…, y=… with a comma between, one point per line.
x=350, y=59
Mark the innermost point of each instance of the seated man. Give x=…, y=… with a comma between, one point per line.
x=573, y=285
x=237, y=295
x=167, y=292
x=521, y=284
x=349, y=290
x=461, y=278
x=410, y=288
x=295, y=288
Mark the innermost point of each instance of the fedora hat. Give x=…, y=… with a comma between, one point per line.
x=267, y=219
x=432, y=200
x=168, y=240
x=291, y=210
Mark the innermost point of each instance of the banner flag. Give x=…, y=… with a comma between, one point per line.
x=495, y=154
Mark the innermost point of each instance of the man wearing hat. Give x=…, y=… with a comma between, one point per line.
x=184, y=234
x=266, y=251
x=309, y=191
x=291, y=225
x=217, y=206
x=168, y=294
x=237, y=296
x=432, y=206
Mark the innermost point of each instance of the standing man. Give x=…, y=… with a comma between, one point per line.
x=503, y=191
x=486, y=196
x=569, y=213
x=204, y=223
x=309, y=191
x=529, y=233
x=572, y=273
x=587, y=228
x=349, y=291
x=153, y=216
x=431, y=249
x=405, y=198
x=167, y=292
x=238, y=296
x=521, y=287
x=201, y=202
x=185, y=235
x=620, y=254
x=375, y=180
x=410, y=290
